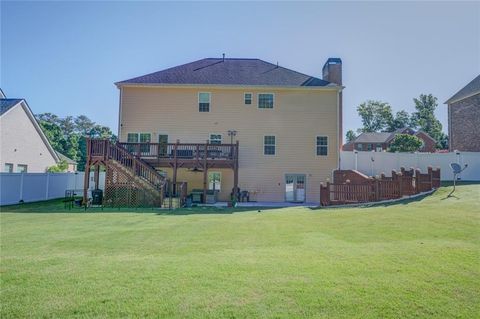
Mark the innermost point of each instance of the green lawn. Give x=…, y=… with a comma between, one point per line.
x=419, y=259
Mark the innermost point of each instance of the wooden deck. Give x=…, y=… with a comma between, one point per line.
x=143, y=158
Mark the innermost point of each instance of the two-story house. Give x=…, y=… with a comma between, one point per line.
x=287, y=126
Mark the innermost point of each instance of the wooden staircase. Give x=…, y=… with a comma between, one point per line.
x=130, y=181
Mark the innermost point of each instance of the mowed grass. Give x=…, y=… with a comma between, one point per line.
x=419, y=259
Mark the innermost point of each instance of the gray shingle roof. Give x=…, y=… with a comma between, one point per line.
x=7, y=104
x=67, y=159
x=217, y=71
x=373, y=137
x=470, y=89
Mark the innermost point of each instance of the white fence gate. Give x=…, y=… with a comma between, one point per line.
x=375, y=163
x=31, y=187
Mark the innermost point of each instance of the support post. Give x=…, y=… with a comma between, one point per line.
x=175, y=168
x=86, y=182
x=235, y=170
x=205, y=173
x=86, y=177
x=96, y=176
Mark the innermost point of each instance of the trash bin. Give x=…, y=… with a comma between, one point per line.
x=97, y=197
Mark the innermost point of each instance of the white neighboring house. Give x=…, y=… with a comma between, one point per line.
x=23, y=145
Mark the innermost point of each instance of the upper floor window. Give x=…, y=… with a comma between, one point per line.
x=269, y=145
x=139, y=138
x=215, y=138
x=204, y=102
x=21, y=168
x=265, y=100
x=322, y=145
x=8, y=168
x=248, y=98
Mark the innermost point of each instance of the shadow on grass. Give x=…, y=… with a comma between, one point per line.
x=213, y=210
x=58, y=206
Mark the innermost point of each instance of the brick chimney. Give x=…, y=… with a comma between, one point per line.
x=332, y=72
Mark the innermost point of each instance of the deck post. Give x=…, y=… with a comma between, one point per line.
x=86, y=177
x=235, y=170
x=96, y=176
x=205, y=173
x=175, y=167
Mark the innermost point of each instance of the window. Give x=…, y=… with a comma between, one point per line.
x=139, y=138
x=360, y=147
x=132, y=138
x=322, y=145
x=214, y=181
x=21, y=168
x=269, y=145
x=248, y=98
x=8, y=168
x=215, y=138
x=369, y=147
x=203, y=102
x=162, y=144
x=378, y=148
x=145, y=138
x=265, y=100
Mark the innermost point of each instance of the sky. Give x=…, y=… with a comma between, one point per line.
x=63, y=57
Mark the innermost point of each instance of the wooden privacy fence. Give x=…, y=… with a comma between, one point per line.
x=373, y=189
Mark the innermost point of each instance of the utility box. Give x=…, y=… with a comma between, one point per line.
x=97, y=197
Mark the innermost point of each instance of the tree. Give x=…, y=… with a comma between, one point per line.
x=375, y=115
x=351, y=136
x=68, y=135
x=59, y=168
x=83, y=125
x=400, y=120
x=424, y=118
x=405, y=143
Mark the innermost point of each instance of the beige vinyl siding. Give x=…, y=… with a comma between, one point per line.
x=297, y=118
x=21, y=144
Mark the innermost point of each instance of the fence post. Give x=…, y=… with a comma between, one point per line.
x=377, y=189
x=21, y=186
x=400, y=183
x=417, y=181
x=327, y=194
x=430, y=175
x=47, y=186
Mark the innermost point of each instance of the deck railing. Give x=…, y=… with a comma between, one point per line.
x=109, y=151
x=193, y=151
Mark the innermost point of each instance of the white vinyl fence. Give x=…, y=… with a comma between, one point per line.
x=375, y=163
x=31, y=187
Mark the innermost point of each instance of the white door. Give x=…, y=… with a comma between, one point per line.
x=295, y=187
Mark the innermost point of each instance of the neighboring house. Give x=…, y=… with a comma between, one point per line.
x=71, y=164
x=287, y=125
x=464, y=118
x=24, y=147
x=379, y=142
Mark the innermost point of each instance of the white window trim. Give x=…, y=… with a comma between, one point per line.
x=251, y=99
x=209, y=102
x=10, y=165
x=258, y=101
x=210, y=138
x=22, y=165
x=316, y=146
x=263, y=148
x=220, y=174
